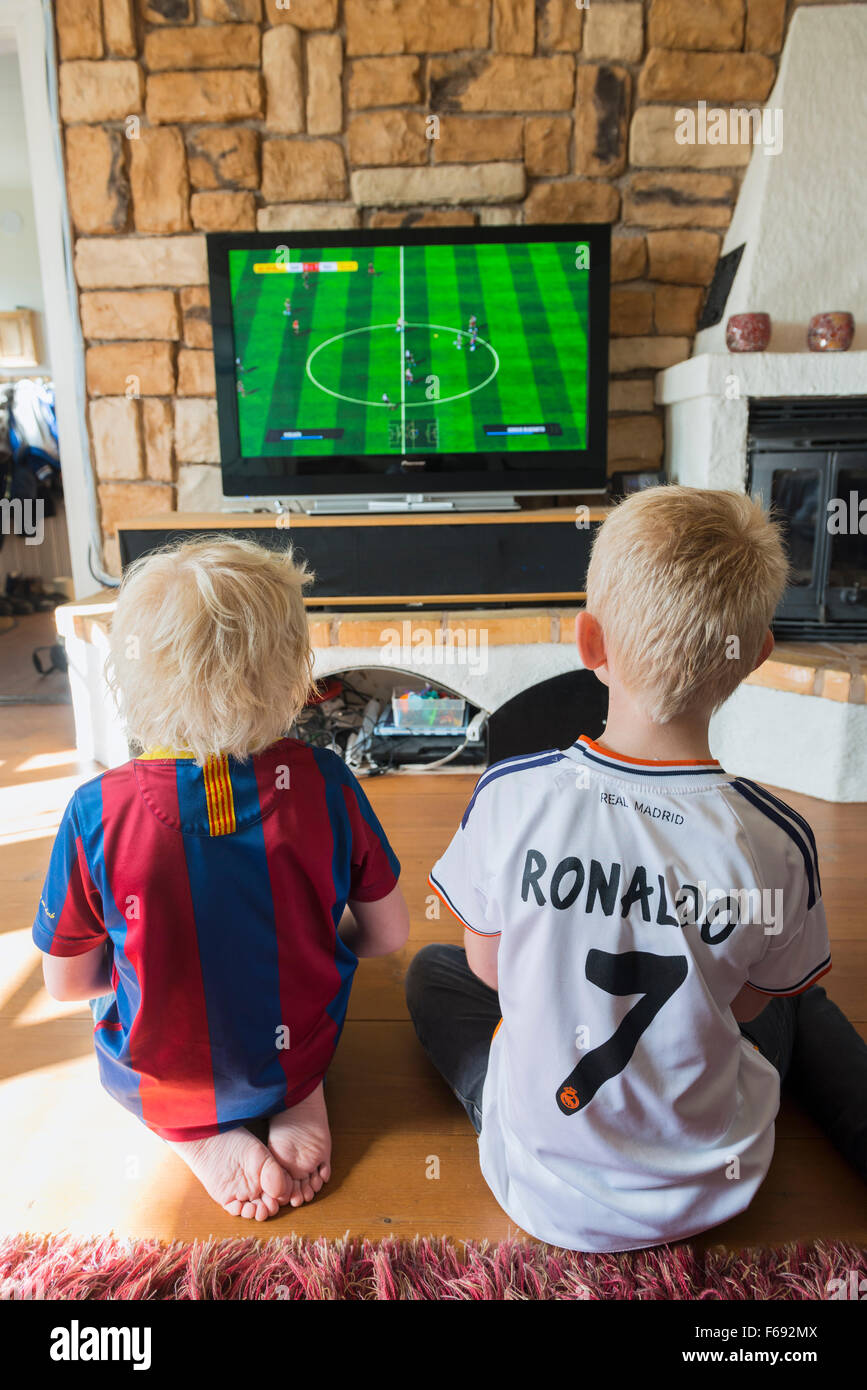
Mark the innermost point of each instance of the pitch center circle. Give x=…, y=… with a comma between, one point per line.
x=384, y=405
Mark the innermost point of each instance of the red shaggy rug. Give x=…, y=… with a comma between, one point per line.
x=62, y=1267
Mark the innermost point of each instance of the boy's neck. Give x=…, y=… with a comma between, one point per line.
x=629, y=732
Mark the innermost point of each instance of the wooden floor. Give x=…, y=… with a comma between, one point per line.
x=71, y=1159
x=19, y=678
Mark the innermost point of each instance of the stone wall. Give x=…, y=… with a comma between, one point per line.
x=187, y=116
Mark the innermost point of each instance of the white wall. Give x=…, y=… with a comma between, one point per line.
x=14, y=170
x=802, y=213
x=20, y=275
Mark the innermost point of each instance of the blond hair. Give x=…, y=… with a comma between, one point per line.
x=210, y=648
x=677, y=573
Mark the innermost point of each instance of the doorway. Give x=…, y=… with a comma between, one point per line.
x=35, y=238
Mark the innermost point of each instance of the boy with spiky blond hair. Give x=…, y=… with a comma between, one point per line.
x=626, y=904
x=199, y=887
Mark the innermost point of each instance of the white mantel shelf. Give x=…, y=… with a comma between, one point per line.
x=707, y=405
x=757, y=375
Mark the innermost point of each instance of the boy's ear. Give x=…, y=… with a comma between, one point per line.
x=767, y=647
x=590, y=641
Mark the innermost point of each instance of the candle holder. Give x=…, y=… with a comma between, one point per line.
x=748, y=332
x=831, y=332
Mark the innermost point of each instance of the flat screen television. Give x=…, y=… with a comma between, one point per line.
x=424, y=361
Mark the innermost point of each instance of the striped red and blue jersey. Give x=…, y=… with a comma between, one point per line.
x=218, y=891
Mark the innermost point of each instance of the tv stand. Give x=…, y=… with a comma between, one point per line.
x=410, y=502
x=420, y=558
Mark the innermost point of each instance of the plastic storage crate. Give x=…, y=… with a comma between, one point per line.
x=425, y=712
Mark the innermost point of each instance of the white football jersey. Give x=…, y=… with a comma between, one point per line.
x=622, y=1106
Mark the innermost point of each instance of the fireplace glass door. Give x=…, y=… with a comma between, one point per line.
x=808, y=463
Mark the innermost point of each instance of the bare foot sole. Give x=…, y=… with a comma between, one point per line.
x=237, y=1170
x=300, y=1140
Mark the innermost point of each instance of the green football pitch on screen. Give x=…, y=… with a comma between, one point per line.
x=389, y=350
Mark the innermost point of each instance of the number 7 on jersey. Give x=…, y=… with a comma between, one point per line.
x=632, y=972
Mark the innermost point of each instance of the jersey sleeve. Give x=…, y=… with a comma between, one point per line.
x=70, y=916
x=798, y=950
x=374, y=868
x=459, y=876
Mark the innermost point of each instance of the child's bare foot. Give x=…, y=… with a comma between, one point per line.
x=300, y=1140
x=237, y=1170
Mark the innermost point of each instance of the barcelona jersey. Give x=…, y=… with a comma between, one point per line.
x=217, y=891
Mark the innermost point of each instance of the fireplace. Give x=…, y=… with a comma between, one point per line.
x=807, y=460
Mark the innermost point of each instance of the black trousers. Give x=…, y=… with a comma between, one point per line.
x=805, y=1036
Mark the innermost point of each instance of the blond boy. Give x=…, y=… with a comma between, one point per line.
x=626, y=903
x=199, y=887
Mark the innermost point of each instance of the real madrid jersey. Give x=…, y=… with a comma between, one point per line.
x=622, y=1106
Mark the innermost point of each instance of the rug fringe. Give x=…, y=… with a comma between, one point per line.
x=425, y=1268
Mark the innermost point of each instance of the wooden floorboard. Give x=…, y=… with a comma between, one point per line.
x=19, y=677
x=70, y=1159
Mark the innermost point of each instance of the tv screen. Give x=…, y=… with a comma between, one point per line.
x=420, y=360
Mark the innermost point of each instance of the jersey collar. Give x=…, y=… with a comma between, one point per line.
x=219, y=798
x=644, y=767
x=161, y=755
